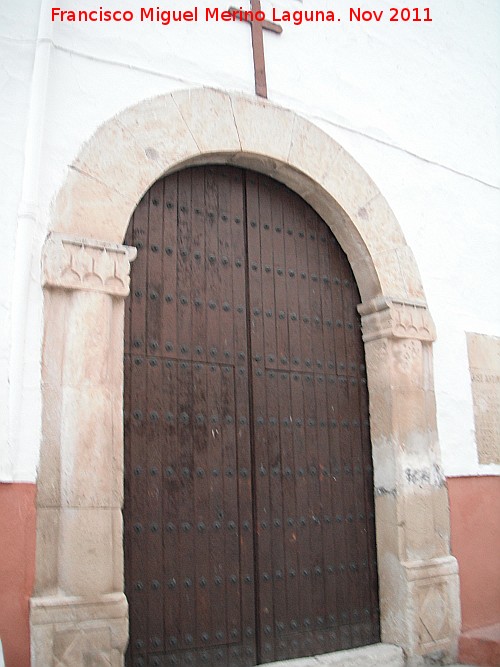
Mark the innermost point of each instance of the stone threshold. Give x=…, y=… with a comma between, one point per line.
x=375, y=655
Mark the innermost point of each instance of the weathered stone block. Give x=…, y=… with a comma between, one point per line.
x=217, y=124
x=484, y=362
x=75, y=632
x=86, y=551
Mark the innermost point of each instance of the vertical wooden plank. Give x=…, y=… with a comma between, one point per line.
x=187, y=552
x=335, y=363
x=371, y=611
x=339, y=593
x=291, y=221
x=232, y=575
x=311, y=230
x=230, y=519
x=155, y=268
x=186, y=461
x=168, y=343
x=282, y=499
x=198, y=296
x=137, y=299
x=154, y=563
x=352, y=332
x=170, y=524
x=264, y=351
x=201, y=518
x=328, y=306
x=324, y=518
x=293, y=452
x=301, y=526
x=184, y=274
x=313, y=518
x=227, y=220
x=137, y=588
x=348, y=501
x=136, y=479
x=212, y=263
x=301, y=414
x=263, y=310
x=279, y=274
x=154, y=509
x=352, y=460
x=322, y=315
x=260, y=426
x=303, y=287
x=313, y=419
x=230, y=442
x=337, y=259
x=278, y=382
x=325, y=414
x=194, y=351
x=220, y=621
x=237, y=324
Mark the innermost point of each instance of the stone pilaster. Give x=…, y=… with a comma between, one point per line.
x=418, y=576
x=79, y=612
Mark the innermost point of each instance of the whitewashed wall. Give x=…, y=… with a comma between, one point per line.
x=415, y=103
x=18, y=32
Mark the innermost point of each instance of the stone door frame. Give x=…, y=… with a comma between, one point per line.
x=79, y=613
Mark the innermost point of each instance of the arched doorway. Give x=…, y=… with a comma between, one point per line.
x=79, y=612
x=249, y=524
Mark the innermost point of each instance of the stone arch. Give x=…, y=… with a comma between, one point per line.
x=133, y=149
x=85, y=276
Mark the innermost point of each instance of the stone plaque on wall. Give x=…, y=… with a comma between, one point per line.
x=484, y=364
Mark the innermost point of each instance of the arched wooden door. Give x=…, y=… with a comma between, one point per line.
x=249, y=521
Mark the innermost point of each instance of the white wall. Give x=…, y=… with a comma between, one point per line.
x=18, y=31
x=415, y=104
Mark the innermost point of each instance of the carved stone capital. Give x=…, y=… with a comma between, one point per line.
x=86, y=264
x=390, y=318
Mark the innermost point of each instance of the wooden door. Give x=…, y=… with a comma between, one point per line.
x=249, y=523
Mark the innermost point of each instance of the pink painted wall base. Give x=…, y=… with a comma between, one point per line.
x=481, y=646
x=17, y=568
x=475, y=541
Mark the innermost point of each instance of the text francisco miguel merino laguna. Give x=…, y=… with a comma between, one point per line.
x=167, y=16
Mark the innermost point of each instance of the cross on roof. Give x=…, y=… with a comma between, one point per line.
x=259, y=64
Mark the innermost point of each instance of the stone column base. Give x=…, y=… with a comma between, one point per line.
x=79, y=632
x=433, y=589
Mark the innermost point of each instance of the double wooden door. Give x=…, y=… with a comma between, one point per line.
x=249, y=522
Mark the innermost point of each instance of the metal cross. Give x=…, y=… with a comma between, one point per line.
x=259, y=64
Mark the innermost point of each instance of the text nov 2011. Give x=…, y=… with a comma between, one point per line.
x=165, y=17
